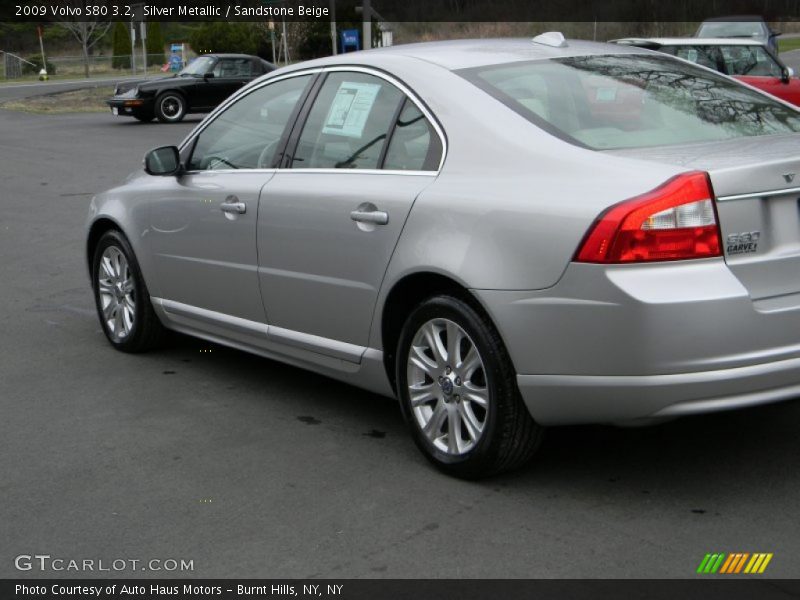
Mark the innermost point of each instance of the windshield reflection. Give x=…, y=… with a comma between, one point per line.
x=198, y=67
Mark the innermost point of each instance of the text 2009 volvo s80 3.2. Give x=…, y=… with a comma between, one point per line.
x=504, y=234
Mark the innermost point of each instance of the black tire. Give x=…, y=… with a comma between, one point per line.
x=146, y=331
x=144, y=117
x=171, y=107
x=510, y=436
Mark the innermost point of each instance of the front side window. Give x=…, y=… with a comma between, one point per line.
x=752, y=61
x=247, y=134
x=731, y=60
x=632, y=100
x=349, y=123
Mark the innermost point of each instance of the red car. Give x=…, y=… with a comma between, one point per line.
x=745, y=59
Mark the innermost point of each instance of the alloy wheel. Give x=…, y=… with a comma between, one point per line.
x=447, y=386
x=116, y=290
x=171, y=107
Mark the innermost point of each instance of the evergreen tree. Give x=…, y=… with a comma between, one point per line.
x=155, y=44
x=121, y=46
x=216, y=36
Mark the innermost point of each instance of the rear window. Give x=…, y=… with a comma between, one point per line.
x=731, y=29
x=632, y=100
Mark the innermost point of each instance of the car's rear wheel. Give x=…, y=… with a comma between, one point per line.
x=458, y=391
x=121, y=296
x=170, y=107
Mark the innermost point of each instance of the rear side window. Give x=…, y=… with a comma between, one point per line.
x=632, y=100
x=705, y=56
x=414, y=145
x=349, y=123
x=233, y=67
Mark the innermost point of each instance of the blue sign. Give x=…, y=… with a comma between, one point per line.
x=175, y=63
x=176, y=48
x=350, y=38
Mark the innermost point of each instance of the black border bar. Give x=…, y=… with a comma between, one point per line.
x=399, y=10
x=706, y=588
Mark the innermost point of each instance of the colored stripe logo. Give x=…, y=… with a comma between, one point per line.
x=735, y=563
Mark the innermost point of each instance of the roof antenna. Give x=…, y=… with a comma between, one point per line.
x=551, y=38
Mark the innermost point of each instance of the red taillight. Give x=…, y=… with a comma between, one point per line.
x=675, y=221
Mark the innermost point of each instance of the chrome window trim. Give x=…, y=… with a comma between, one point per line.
x=337, y=68
x=751, y=195
x=320, y=172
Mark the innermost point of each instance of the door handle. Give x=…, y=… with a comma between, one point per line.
x=377, y=217
x=232, y=205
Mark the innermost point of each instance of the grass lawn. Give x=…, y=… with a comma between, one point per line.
x=784, y=45
x=66, y=75
x=88, y=100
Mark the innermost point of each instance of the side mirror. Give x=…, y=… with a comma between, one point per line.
x=162, y=161
x=787, y=74
x=209, y=75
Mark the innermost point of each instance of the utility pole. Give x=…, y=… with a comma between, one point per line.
x=271, y=26
x=367, y=29
x=143, y=28
x=285, y=42
x=133, y=47
x=333, y=27
x=41, y=46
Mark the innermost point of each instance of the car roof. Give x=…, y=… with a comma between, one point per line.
x=737, y=19
x=230, y=55
x=464, y=54
x=734, y=41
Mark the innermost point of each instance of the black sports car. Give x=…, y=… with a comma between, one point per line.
x=198, y=88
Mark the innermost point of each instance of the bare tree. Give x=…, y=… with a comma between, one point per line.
x=88, y=33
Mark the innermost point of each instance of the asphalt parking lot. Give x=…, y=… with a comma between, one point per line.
x=250, y=468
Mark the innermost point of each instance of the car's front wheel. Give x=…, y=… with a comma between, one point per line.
x=170, y=107
x=458, y=391
x=121, y=296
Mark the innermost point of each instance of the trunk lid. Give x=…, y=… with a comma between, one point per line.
x=757, y=186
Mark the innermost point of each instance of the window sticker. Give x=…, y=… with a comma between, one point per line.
x=350, y=109
x=606, y=94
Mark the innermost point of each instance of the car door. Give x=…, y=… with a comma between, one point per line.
x=329, y=221
x=789, y=91
x=203, y=223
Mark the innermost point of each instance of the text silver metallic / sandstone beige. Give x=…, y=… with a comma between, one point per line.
x=505, y=234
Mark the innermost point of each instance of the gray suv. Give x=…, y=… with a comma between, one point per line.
x=740, y=27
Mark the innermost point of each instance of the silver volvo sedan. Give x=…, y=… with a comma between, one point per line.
x=504, y=234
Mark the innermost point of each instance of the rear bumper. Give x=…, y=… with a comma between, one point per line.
x=609, y=344
x=560, y=400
